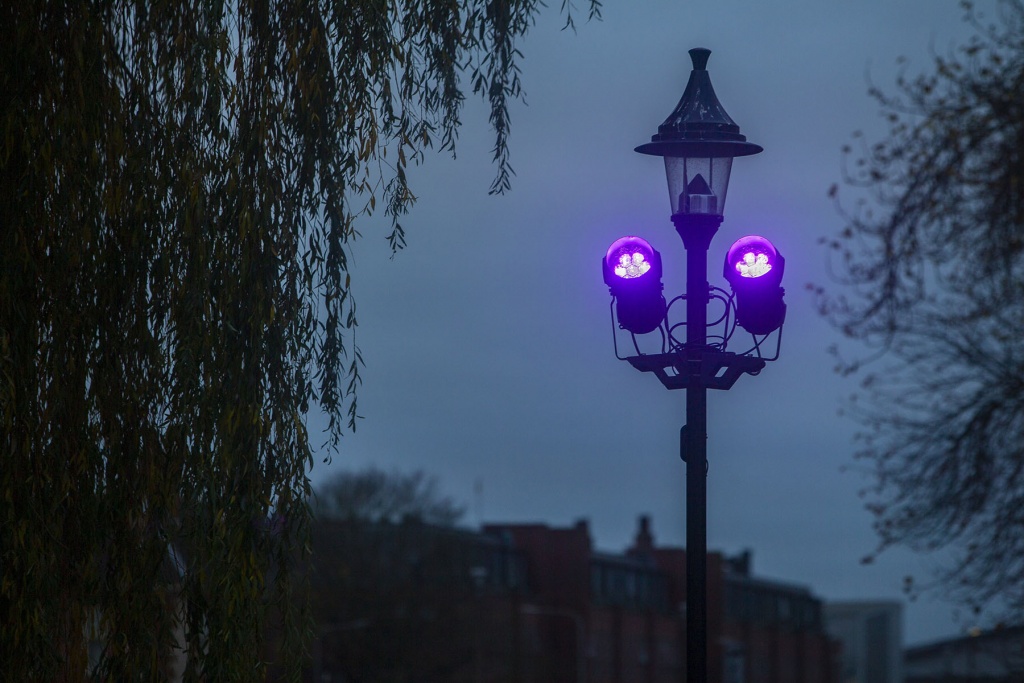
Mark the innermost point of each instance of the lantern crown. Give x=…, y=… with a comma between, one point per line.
x=699, y=125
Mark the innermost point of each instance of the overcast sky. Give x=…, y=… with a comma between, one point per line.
x=488, y=347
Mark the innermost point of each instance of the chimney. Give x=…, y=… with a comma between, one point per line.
x=742, y=564
x=643, y=544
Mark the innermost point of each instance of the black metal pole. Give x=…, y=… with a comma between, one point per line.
x=697, y=230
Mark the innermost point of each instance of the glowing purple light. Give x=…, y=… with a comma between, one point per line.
x=754, y=269
x=753, y=259
x=753, y=264
x=629, y=258
x=632, y=271
x=632, y=265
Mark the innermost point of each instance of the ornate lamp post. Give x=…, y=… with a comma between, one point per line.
x=698, y=142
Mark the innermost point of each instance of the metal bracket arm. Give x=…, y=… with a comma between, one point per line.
x=718, y=369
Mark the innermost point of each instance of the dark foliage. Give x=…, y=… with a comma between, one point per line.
x=390, y=600
x=376, y=496
x=932, y=266
x=180, y=185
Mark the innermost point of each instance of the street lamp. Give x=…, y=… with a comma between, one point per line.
x=698, y=142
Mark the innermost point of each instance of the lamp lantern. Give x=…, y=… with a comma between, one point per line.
x=698, y=141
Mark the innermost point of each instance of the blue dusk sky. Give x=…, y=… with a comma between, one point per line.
x=488, y=343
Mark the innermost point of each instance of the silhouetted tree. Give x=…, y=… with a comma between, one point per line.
x=373, y=495
x=179, y=189
x=391, y=580
x=933, y=263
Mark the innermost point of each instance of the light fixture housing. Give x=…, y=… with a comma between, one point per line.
x=754, y=269
x=698, y=141
x=632, y=271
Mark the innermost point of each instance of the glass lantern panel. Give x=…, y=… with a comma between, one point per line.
x=698, y=184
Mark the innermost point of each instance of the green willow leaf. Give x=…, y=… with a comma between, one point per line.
x=180, y=184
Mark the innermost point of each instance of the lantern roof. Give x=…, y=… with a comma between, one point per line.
x=699, y=125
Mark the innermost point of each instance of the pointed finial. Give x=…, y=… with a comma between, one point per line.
x=700, y=55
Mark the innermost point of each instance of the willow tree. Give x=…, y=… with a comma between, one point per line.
x=933, y=267
x=180, y=185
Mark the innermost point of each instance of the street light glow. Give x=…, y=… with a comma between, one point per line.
x=753, y=265
x=629, y=257
x=754, y=269
x=632, y=265
x=752, y=258
x=632, y=271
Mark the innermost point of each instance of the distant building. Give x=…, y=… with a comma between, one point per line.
x=772, y=631
x=995, y=656
x=527, y=603
x=871, y=635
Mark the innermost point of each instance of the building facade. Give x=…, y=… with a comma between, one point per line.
x=995, y=656
x=528, y=603
x=871, y=637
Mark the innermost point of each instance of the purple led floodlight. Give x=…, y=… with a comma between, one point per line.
x=629, y=258
x=754, y=268
x=753, y=258
x=632, y=271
